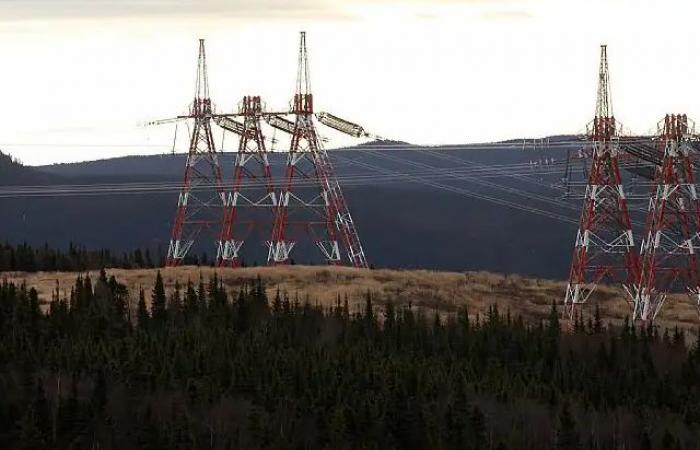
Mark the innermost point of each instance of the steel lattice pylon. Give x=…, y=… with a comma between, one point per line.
x=604, y=248
x=669, y=250
x=320, y=210
x=253, y=189
x=200, y=206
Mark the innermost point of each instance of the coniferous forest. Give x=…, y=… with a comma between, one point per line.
x=254, y=369
x=27, y=258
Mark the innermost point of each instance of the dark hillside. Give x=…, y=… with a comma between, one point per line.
x=436, y=207
x=12, y=172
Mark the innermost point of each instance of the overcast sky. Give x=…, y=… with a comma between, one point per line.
x=79, y=76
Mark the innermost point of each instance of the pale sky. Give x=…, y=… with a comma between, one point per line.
x=78, y=77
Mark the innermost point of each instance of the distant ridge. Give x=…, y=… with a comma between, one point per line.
x=384, y=143
x=13, y=172
x=553, y=138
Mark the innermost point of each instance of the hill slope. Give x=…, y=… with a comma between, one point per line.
x=449, y=217
x=12, y=172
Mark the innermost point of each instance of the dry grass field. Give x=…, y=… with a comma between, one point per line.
x=443, y=291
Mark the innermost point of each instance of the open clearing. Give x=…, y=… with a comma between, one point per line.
x=431, y=290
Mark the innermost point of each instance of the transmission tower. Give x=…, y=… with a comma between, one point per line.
x=669, y=251
x=310, y=199
x=604, y=248
x=253, y=190
x=200, y=206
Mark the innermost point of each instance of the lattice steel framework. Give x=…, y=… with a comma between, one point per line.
x=200, y=205
x=320, y=210
x=252, y=199
x=604, y=247
x=669, y=250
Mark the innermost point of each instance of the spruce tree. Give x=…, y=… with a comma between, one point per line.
x=159, y=313
x=191, y=302
x=142, y=315
x=175, y=308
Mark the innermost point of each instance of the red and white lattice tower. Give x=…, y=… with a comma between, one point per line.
x=669, y=252
x=310, y=199
x=200, y=206
x=604, y=249
x=252, y=201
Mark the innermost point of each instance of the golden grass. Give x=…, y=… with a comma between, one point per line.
x=443, y=291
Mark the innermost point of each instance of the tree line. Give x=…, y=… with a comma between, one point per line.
x=204, y=367
x=27, y=258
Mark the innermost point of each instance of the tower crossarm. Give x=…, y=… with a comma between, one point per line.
x=165, y=121
x=280, y=123
x=342, y=125
x=229, y=124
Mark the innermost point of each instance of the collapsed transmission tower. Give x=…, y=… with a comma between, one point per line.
x=252, y=183
x=201, y=202
x=320, y=209
x=669, y=251
x=604, y=248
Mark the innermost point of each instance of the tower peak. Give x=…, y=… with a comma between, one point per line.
x=603, y=107
x=303, y=79
x=202, y=84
